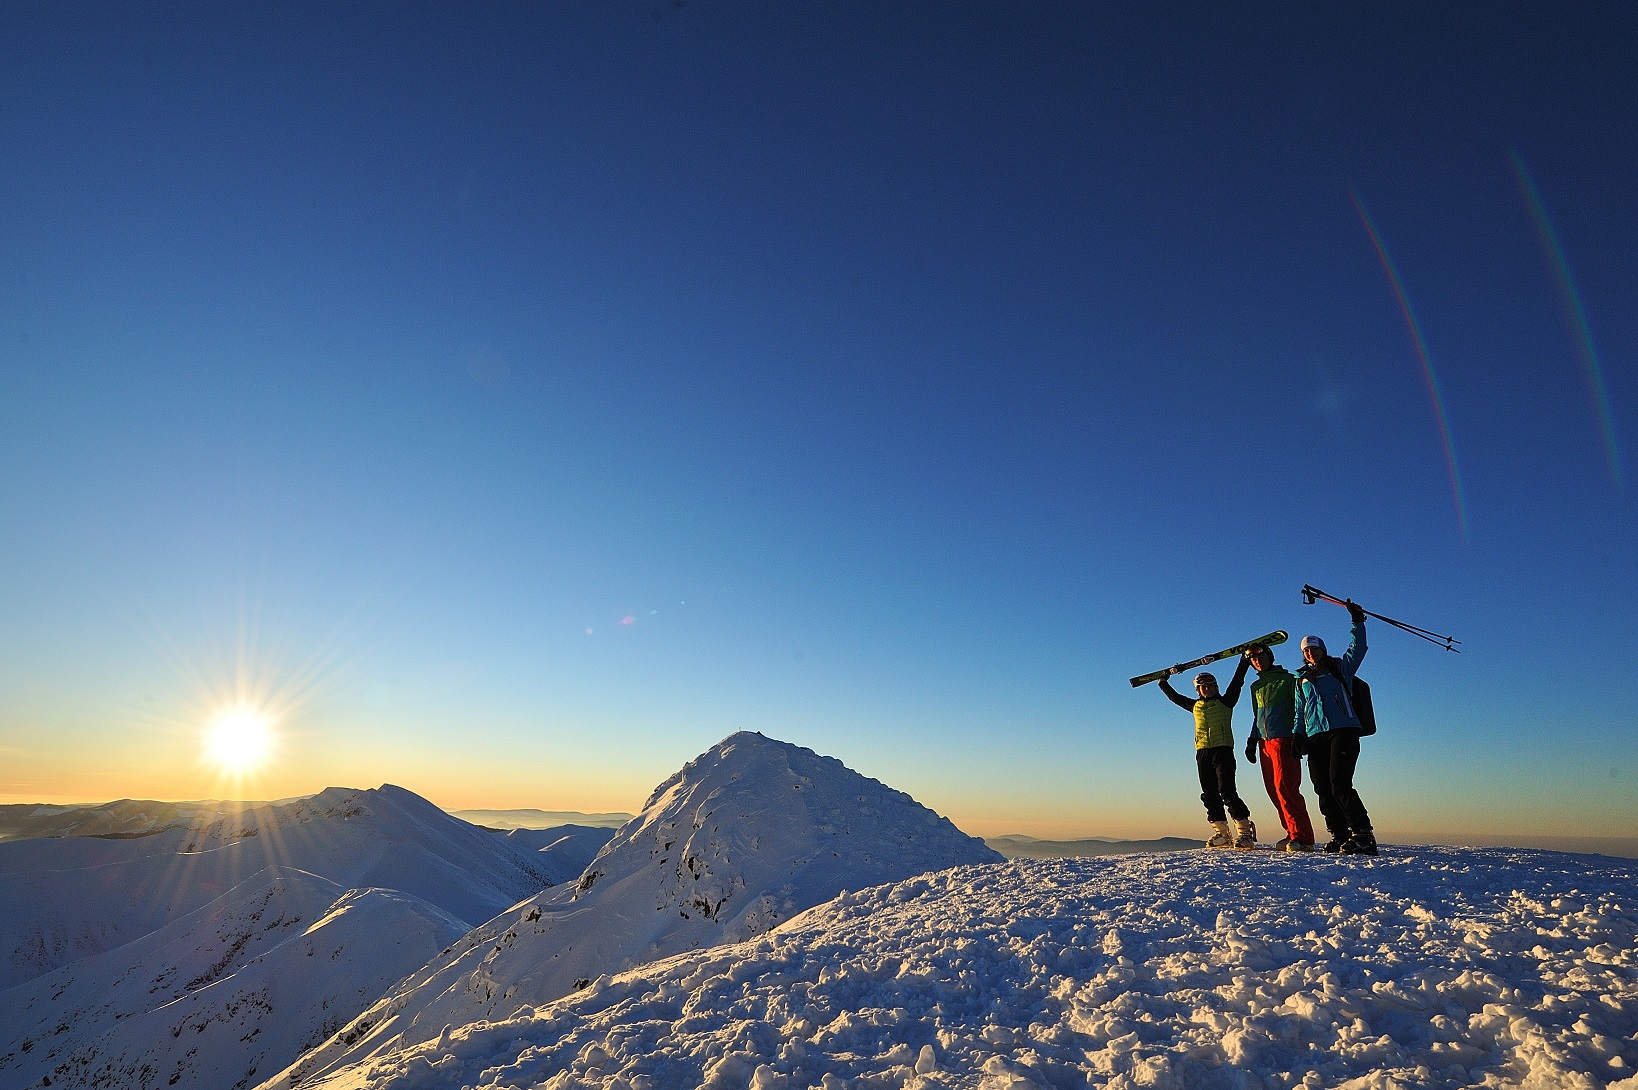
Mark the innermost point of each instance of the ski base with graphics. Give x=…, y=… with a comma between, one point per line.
x=1270, y=640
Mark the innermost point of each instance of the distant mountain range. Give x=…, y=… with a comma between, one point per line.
x=127, y=817
x=539, y=819
x=143, y=817
x=216, y=947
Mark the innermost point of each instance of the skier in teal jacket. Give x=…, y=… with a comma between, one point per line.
x=1325, y=709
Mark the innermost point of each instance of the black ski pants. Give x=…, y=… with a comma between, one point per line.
x=1331, y=760
x=1216, y=767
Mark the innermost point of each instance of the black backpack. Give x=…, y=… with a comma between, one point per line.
x=1360, y=694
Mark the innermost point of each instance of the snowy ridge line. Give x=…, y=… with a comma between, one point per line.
x=121, y=819
x=213, y=956
x=738, y=841
x=1430, y=967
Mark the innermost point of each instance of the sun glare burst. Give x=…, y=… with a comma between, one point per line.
x=239, y=739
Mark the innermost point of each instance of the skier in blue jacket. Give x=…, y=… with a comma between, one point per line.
x=1325, y=709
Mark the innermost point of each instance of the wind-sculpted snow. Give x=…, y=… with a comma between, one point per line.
x=239, y=986
x=737, y=842
x=1428, y=967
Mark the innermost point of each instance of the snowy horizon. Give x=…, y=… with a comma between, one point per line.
x=13, y=815
x=827, y=905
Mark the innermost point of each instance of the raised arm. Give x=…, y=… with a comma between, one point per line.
x=1233, y=693
x=1356, y=642
x=1176, y=697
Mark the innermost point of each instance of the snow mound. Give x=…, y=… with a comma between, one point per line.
x=238, y=986
x=740, y=840
x=1429, y=967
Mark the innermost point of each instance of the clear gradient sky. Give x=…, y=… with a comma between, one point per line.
x=515, y=399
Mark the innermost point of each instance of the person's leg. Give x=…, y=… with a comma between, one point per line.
x=1344, y=759
x=1245, y=830
x=1223, y=762
x=1266, y=761
x=1286, y=781
x=1319, y=775
x=1209, y=794
x=1206, y=767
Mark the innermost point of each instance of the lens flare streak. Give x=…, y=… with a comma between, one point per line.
x=1575, y=313
x=1415, y=327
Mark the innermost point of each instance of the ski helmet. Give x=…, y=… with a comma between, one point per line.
x=1315, y=642
x=1202, y=677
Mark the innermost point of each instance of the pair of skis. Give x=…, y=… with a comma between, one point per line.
x=1270, y=640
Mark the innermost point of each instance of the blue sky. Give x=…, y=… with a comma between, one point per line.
x=909, y=375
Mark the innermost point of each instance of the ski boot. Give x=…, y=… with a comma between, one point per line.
x=1245, y=834
x=1361, y=843
x=1220, y=837
x=1298, y=846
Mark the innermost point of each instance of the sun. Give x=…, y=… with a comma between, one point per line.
x=239, y=739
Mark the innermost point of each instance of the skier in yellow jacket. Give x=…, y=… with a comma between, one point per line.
x=1214, y=755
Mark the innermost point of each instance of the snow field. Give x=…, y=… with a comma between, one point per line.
x=1426, y=967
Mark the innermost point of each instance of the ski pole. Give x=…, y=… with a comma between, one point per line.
x=1312, y=594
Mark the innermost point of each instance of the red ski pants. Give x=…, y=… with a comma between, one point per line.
x=1282, y=775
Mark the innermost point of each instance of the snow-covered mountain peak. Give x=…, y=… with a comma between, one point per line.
x=746, y=832
x=386, y=803
x=755, y=758
x=741, y=839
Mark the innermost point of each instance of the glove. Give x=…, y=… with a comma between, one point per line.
x=1356, y=613
x=1251, y=749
